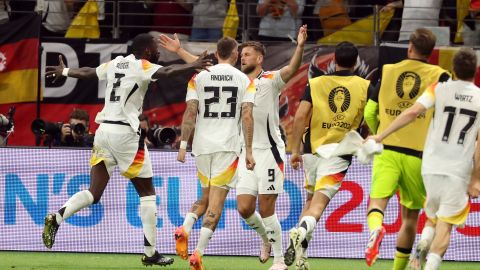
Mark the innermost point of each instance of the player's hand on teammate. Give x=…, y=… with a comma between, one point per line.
x=474, y=188
x=249, y=160
x=181, y=155
x=296, y=161
x=55, y=72
x=302, y=35
x=202, y=63
x=171, y=45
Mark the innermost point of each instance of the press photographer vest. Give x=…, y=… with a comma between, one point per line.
x=402, y=83
x=337, y=107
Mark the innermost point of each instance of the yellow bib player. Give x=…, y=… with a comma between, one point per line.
x=335, y=103
x=398, y=167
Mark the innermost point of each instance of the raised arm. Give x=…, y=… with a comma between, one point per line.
x=287, y=72
x=174, y=46
x=201, y=63
x=55, y=72
x=188, y=125
x=247, y=125
x=303, y=112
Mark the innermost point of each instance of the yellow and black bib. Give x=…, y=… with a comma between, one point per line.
x=337, y=107
x=402, y=83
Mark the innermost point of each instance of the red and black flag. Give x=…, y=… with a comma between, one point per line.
x=19, y=52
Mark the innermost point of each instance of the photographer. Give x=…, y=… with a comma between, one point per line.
x=75, y=132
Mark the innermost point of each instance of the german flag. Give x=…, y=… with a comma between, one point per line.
x=19, y=44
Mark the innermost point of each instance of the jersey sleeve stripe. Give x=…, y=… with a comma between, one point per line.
x=146, y=64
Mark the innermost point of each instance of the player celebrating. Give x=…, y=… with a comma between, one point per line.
x=118, y=140
x=335, y=103
x=215, y=102
x=266, y=180
x=398, y=167
x=449, y=149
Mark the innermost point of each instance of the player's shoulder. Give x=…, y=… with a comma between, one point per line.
x=268, y=75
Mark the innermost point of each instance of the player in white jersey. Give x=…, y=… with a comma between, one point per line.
x=266, y=180
x=216, y=101
x=450, y=149
x=118, y=140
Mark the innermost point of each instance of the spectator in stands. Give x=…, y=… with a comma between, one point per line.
x=471, y=32
x=208, y=18
x=20, y=8
x=75, y=133
x=139, y=18
x=280, y=19
x=172, y=17
x=3, y=11
x=56, y=16
x=418, y=14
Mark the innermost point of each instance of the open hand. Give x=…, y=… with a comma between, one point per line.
x=171, y=45
x=202, y=63
x=55, y=72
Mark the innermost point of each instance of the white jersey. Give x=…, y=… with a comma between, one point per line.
x=266, y=131
x=127, y=82
x=450, y=143
x=220, y=93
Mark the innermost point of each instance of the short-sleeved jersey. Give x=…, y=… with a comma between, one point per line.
x=220, y=93
x=127, y=82
x=266, y=132
x=338, y=101
x=452, y=134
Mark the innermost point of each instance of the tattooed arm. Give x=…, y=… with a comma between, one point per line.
x=247, y=124
x=188, y=125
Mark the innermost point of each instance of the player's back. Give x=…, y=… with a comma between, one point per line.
x=127, y=82
x=220, y=92
x=451, y=138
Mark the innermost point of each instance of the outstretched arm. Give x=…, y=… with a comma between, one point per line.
x=173, y=45
x=55, y=72
x=188, y=125
x=201, y=63
x=405, y=118
x=287, y=72
x=301, y=116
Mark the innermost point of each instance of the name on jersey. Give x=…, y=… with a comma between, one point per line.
x=226, y=78
x=464, y=98
x=394, y=112
x=122, y=65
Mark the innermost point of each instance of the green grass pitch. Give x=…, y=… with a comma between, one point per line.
x=67, y=261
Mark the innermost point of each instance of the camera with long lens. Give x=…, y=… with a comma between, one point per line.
x=47, y=130
x=6, y=125
x=161, y=136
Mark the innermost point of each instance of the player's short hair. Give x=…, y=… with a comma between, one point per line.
x=257, y=46
x=423, y=41
x=140, y=43
x=465, y=64
x=80, y=115
x=225, y=47
x=346, y=54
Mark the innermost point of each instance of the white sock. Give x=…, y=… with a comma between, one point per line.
x=310, y=223
x=433, y=261
x=190, y=219
x=148, y=214
x=76, y=203
x=274, y=233
x=205, y=236
x=427, y=234
x=256, y=223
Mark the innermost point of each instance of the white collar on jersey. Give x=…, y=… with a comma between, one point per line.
x=259, y=76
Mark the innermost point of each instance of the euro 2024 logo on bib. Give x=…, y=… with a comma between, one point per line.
x=339, y=102
x=407, y=88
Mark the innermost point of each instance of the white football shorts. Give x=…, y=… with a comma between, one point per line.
x=217, y=169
